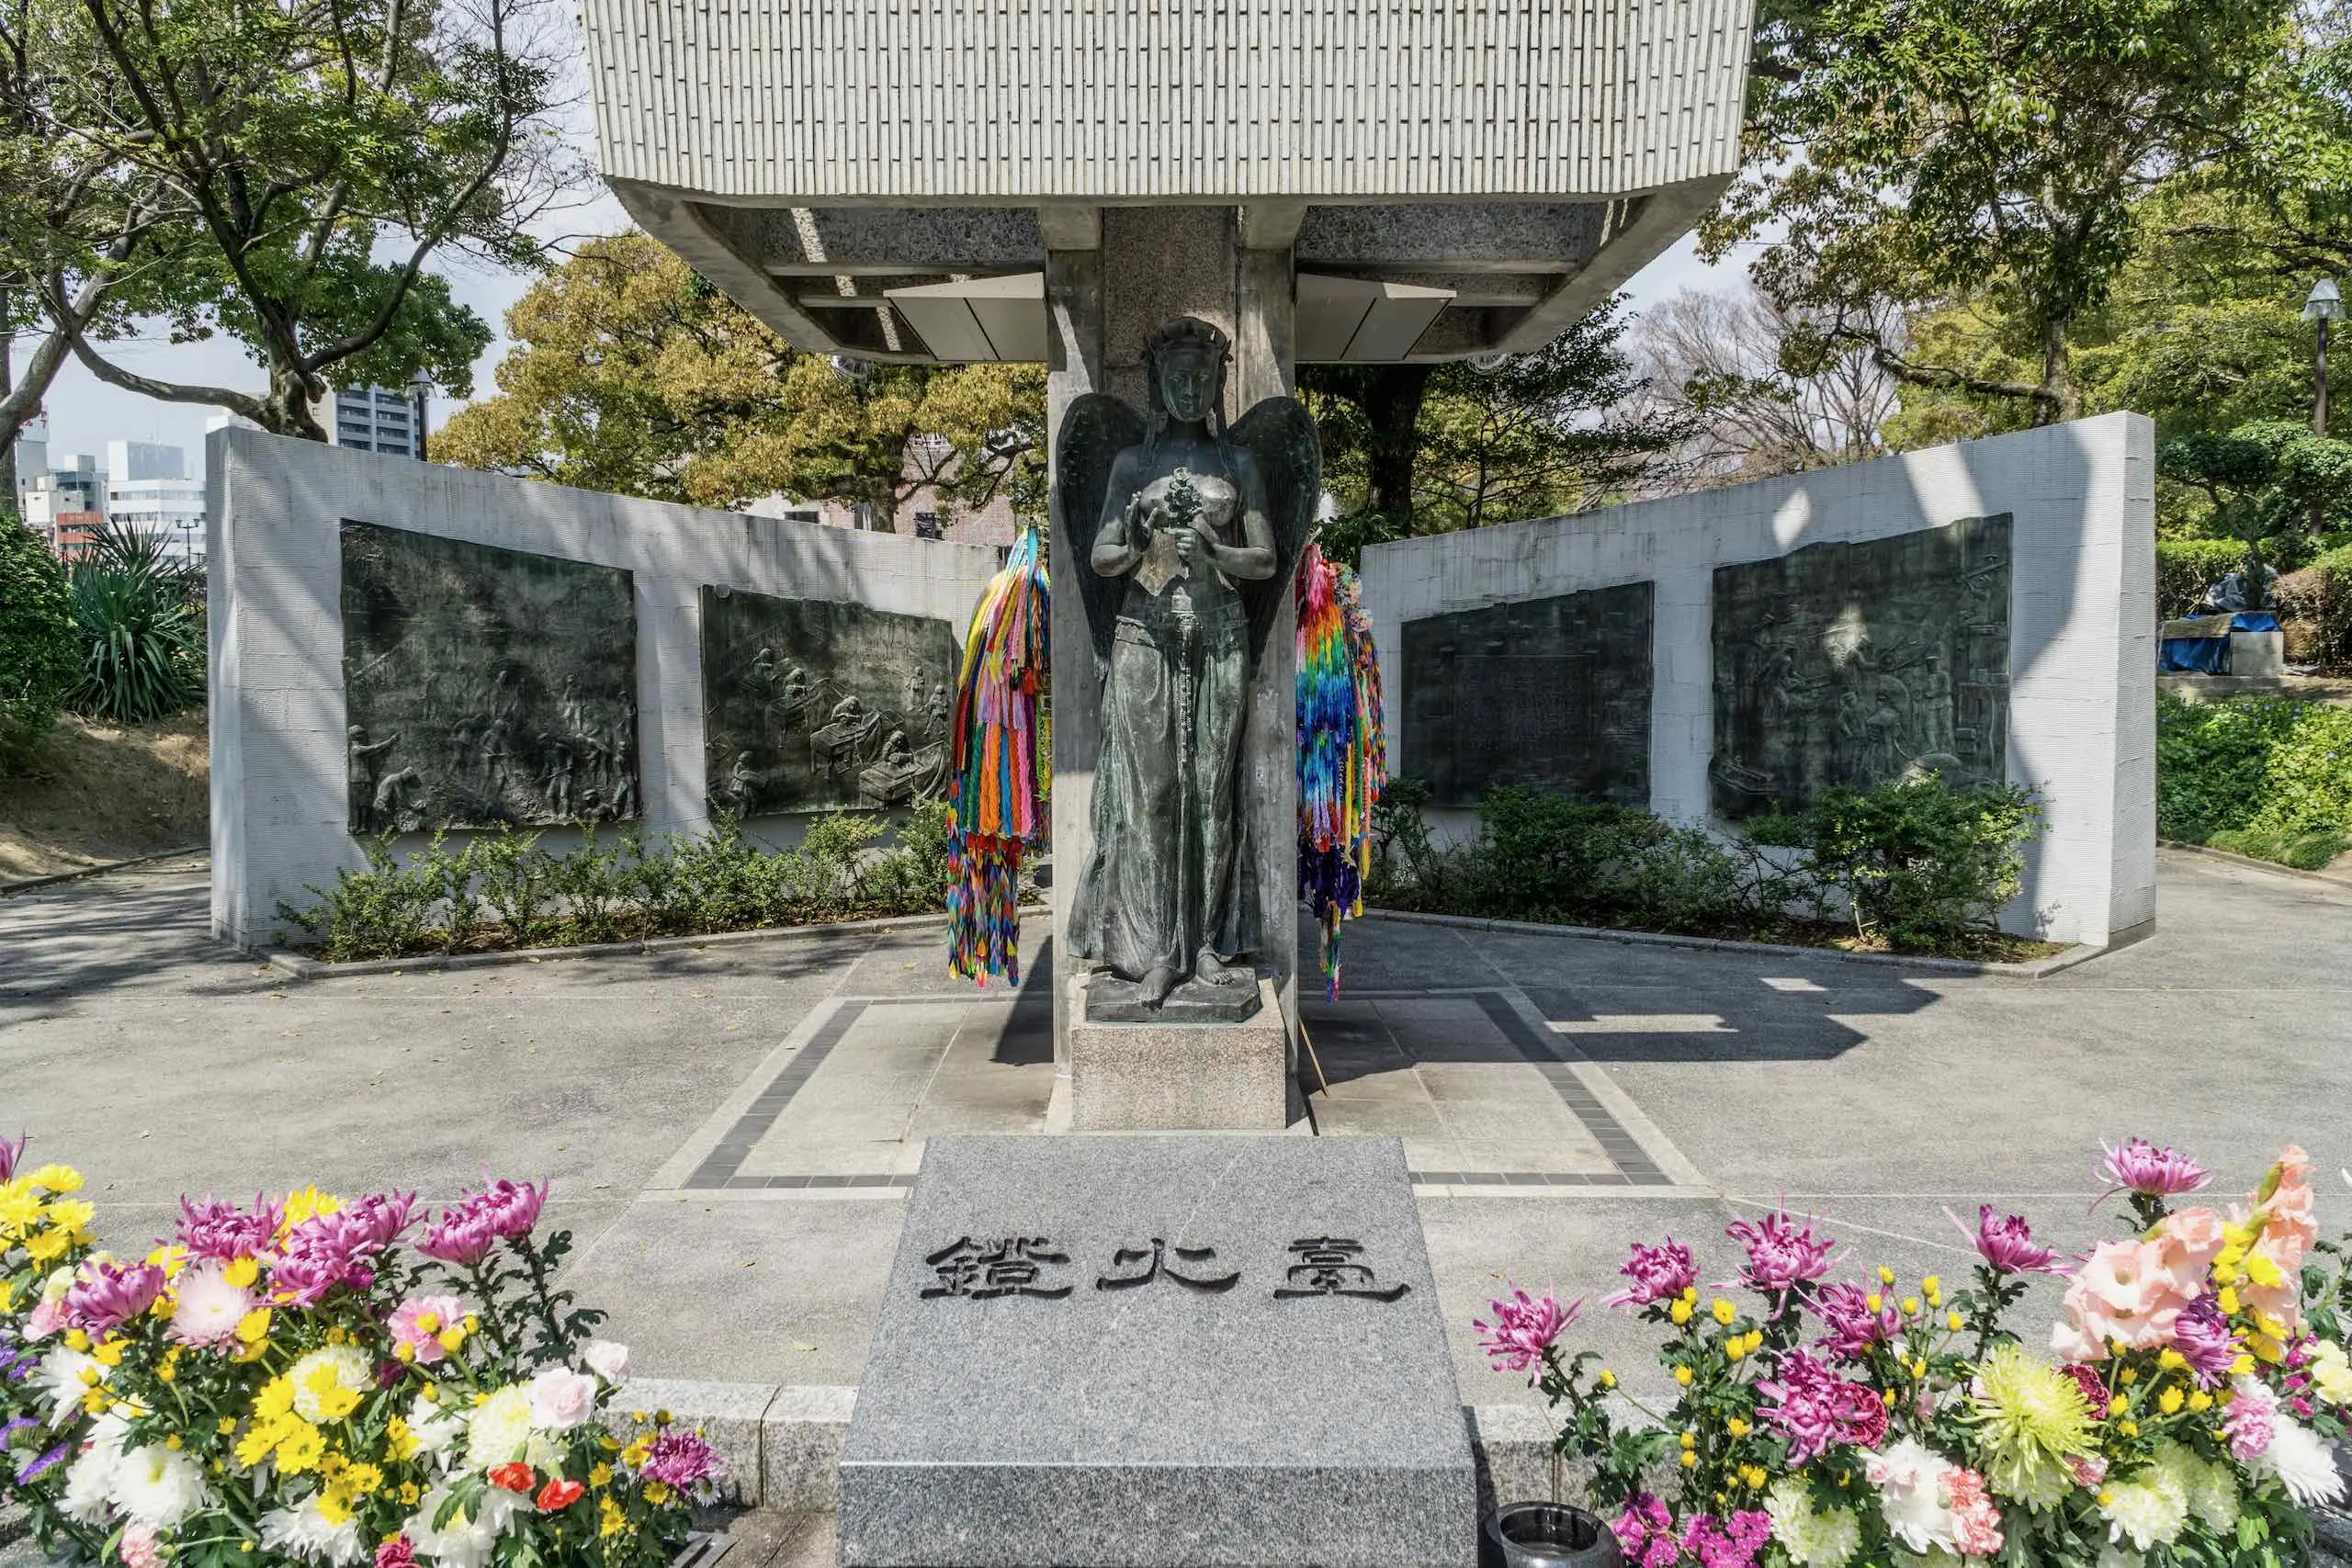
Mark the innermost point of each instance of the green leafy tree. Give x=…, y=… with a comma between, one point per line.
x=40, y=657
x=311, y=158
x=632, y=374
x=1923, y=152
x=2261, y=480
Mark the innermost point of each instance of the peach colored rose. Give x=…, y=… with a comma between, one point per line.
x=2289, y=1227
x=2188, y=1241
x=2124, y=1292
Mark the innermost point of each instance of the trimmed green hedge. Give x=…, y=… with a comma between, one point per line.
x=40, y=654
x=2264, y=776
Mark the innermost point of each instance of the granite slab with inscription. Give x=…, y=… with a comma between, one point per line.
x=1139, y=1352
x=485, y=686
x=1553, y=694
x=1848, y=664
x=814, y=704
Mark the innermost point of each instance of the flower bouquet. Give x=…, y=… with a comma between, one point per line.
x=2180, y=1411
x=313, y=1380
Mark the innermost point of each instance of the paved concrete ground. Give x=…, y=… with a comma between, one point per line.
x=1560, y=1098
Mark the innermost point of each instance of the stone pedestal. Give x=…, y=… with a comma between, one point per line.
x=1159, y=1352
x=2257, y=653
x=1173, y=1077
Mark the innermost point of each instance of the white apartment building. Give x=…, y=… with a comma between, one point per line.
x=148, y=490
x=375, y=419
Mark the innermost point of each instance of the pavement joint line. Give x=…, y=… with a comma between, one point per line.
x=2081, y=952
x=1537, y=1050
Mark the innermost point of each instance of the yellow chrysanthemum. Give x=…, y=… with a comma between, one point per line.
x=610, y=1520
x=47, y=1246
x=301, y=1449
x=2031, y=1419
x=55, y=1179
x=400, y=1440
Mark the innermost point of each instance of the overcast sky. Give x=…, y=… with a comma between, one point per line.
x=85, y=413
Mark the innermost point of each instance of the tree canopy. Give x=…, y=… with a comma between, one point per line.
x=632, y=374
x=295, y=165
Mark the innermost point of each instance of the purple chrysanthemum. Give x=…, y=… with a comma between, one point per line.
x=12, y=1154
x=106, y=1295
x=44, y=1462
x=340, y=1248
x=1729, y=1542
x=2007, y=1243
x=2202, y=1336
x=1524, y=1326
x=463, y=1238
x=217, y=1228
x=1659, y=1274
x=1854, y=1324
x=1645, y=1531
x=679, y=1459
x=1813, y=1407
x=511, y=1210
x=2140, y=1166
x=1781, y=1252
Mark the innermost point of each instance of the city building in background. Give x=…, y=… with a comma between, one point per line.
x=32, y=459
x=375, y=419
x=149, y=490
x=64, y=501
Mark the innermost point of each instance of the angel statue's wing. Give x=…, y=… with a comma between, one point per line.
x=1095, y=429
x=1279, y=434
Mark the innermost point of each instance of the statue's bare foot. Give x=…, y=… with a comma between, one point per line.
x=1153, y=988
x=1210, y=970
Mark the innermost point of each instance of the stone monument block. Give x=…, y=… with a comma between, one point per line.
x=1553, y=694
x=485, y=686
x=810, y=705
x=1155, y=1351
x=1170, y=1073
x=1843, y=665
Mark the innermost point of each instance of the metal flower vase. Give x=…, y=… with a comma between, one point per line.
x=1546, y=1535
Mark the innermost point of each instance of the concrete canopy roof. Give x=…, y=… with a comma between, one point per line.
x=884, y=178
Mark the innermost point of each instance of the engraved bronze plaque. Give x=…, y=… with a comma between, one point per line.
x=1843, y=665
x=1553, y=694
x=814, y=704
x=485, y=686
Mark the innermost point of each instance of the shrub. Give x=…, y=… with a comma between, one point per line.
x=2264, y=776
x=142, y=633
x=1919, y=860
x=519, y=882
x=2185, y=568
x=39, y=656
x=380, y=912
x=2321, y=594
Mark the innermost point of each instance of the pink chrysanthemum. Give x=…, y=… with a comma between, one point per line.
x=1854, y=1324
x=2007, y=1243
x=1523, y=1327
x=680, y=1459
x=1729, y=1542
x=1659, y=1274
x=218, y=1228
x=1781, y=1252
x=2139, y=1166
x=1813, y=1407
x=12, y=1154
x=1645, y=1531
x=106, y=1295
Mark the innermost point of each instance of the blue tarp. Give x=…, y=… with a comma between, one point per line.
x=2209, y=655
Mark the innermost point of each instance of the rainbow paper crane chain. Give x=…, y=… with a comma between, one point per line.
x=997, y=788
x=1342, y=748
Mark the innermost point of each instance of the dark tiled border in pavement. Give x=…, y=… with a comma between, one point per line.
x=718, y=1170
x=719, y=1167
x=1623, y=1152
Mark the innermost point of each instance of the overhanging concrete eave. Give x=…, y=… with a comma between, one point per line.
x=1663, y=217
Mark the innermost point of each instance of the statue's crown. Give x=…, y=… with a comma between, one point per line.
x=1189, y=331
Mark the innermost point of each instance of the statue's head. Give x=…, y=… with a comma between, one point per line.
x=1186, y=359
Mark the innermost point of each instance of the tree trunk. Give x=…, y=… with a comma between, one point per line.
x=2065, y=400
x=1392, y=397
x=286, y=411
x=8, y=434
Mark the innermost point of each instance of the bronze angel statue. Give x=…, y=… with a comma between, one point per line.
x=1186, y=534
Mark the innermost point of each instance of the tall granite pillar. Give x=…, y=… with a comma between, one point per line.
x=1144, y=265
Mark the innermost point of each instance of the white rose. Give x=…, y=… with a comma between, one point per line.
x=608, y=1359
x=562, y=1398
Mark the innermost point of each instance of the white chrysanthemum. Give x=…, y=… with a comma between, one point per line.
x=2211, y=1490
x=436, y=1427
x=158, y=1486
x=87, y=1481
x=2149, y=1510
x=2299, y=1457
x=2040, y=1484
x=304, y=1530
x=463, y=1542
x=205, y=1308
x=341, y=1367
x=1825, y=1537
x=60, y=1379
x=2330, y=1372
x=499, y=1427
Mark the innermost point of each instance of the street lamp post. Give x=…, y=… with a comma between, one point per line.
x=2324, y=305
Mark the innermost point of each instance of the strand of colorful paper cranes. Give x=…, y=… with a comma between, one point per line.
x=997, y=788
x=1342, y=748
